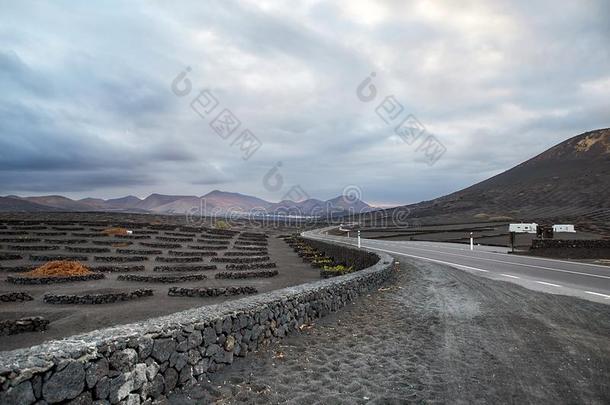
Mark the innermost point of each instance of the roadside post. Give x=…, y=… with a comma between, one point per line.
x=471, y=242
x=358, y=238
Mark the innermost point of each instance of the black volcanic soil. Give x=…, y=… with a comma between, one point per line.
x=67, y=320
x=439, y=335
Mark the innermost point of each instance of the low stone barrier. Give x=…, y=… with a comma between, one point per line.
x=16, y=269
x=19, y=240
x=112, y=242
x=247, y=274
x=248, y=243
x=571, y=249
x=106, y=298
x=206, y=247
x=246, y=253
x=190, y=253
x=220, y=242
x=139, y=251
x=132, y=236
x=50, y=258
x=163, y=227
x=66, y=241
x=10, y=256
x=160, y=245
x=74, y=249
x=211, y=291
x=214, y=239
x=144, y=361
x=250, y=266
x=15, y=297
x=116, y=269
x=179, y=259
x=576, y=243
x=183, y=267
x=90, y=235
x=169, y=239
x=120, y=259
x=254, y=235
x=223, y=232
x=32, y=248
x=241, y=260
x=16, y=326
x=161, y=279
x=53, y=280
x=189, y=235
x=358, y=259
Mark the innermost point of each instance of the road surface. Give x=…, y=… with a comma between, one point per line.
x=583, y=280
x=437, y=335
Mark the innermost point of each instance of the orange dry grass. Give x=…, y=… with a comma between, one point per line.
x=115, y=231
x=59, y=268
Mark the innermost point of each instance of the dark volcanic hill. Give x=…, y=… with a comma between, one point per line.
x=570, y=181
x=16, y=204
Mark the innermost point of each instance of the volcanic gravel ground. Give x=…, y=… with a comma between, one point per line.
x=438, y=335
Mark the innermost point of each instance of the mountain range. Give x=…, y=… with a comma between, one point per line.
x=214, y=203
x=570, y=181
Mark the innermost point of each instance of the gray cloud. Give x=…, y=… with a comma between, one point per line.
x=86, y=107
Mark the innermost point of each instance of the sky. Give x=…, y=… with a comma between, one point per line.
x=393, y=101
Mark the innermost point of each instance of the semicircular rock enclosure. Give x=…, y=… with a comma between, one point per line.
x=144, y=307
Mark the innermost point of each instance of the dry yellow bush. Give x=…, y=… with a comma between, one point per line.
x=59, y=268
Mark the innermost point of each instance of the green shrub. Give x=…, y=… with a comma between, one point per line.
x=339, y=269
x=222, y=225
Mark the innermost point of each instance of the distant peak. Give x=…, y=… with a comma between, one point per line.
x=220, y=192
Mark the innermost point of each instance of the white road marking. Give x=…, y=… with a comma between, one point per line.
x=512, y=263
x=430, y=260
x=444, y=245
x=598, y=294
x=477, y=269
x=545, y=283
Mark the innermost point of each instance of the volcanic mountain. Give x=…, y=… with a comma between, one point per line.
x=214, y=203
x=568, y=182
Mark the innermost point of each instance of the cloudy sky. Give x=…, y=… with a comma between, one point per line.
x=87, y=105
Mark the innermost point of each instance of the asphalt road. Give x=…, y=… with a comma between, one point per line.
x=584, y=280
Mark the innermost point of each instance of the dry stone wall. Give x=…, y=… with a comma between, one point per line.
x=141, y=362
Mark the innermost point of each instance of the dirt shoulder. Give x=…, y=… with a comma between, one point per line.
x=437, y=335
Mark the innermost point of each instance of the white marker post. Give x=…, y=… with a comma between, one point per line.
x=471, y=242
x=358, y=238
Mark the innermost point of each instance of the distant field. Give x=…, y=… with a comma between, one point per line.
x=159, y=248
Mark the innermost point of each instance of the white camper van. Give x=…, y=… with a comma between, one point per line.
x=523, y=228
x=564, y=228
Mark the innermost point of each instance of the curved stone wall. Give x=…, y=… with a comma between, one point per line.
x=145, y=360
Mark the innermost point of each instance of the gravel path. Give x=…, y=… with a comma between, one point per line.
x=439, y=335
